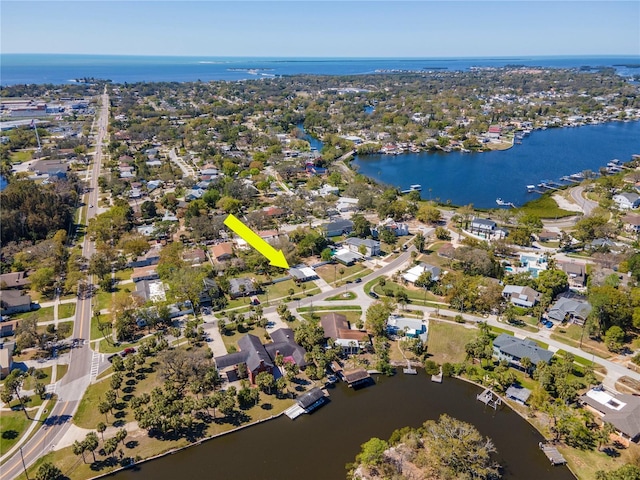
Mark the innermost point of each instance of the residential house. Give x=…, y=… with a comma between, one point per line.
x=193, y=194
x=513, y=350
x=6, y=358
x=337, y=328
x=242, y=287
x=525, y=297
x=370, y=248
x=447, y=250
x=494, y=131
x=548, y=236
x=622, y=411
x=271, y=236
x=626, y=201
x=150, y=257
x=7, y=329
x=483, y=227
x=346, y=204
x=518, y=393
x=14, y=301
x=631, y=223
x=13, y=280
x=210, y=291
x=414, y=273
x=338, y=227
x=327, y=190
x=398, y=229
x=151, y=291
x=409, y=327
x=261, y=358
x=194, y=257
x=570, y=308
x=576, y=273
x=302, y=274
x=222, y=252
x=346, y=256
x=145, y=273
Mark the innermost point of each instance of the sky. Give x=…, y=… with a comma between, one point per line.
x=299, y=28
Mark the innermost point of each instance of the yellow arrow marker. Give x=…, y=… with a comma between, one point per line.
x=275, y=257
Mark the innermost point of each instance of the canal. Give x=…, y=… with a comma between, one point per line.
x=318, y=446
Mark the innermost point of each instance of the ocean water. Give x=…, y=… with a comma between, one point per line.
x=61, y=69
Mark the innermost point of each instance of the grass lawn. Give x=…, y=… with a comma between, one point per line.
x=330, y=308
x=343, y=296
x=95, y=331
x=231, y=337
x=498, y=331
x=124, y=274
x=544, y=207
x=41, y=315
x=330, y=273
x=43, y=376
x=61, y=371
x=446, y=341
x=585, y=463
x=571, y=336
x=102, y=301
x=12, y=425
x=371, y=283
x=21, y=156
x=66, y=310
x=416, y=295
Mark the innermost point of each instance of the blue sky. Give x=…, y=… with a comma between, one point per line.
x=301, y=28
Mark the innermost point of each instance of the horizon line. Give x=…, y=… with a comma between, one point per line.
x=394, y=57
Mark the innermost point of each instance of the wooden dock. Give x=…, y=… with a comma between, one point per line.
x=488, y=398
x=552, y=453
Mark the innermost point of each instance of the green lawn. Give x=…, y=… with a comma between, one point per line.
x=415, y=295
x=43, y=376
x=12, y=426
x=21, y=156
x=447, y=340
x=330, y=273
x=124, y=274
x=66, y=310
x=95, y=331
x=102, y=301
x=330, y=308
x=544, y=207
x=41, y=315
x=352, y=316
x=343, y=296
x=571, y=335
x=231, y=337
x=61, y=371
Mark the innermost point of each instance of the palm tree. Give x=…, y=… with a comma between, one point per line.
x=78, y=449
x=101, y=427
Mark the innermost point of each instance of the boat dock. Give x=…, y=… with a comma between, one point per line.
x=552, y=453
x=409, y=370
x=307, y=403
x=488, y=398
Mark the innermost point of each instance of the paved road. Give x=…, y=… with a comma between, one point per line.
x=75, y=382
x=587, y=205
x=187, y=170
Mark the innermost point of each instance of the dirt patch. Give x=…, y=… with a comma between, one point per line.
x=565, y=204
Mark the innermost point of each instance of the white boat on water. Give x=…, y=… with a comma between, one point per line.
x=531, y=188
x=501, y=202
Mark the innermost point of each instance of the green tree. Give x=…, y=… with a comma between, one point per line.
x=265, y=381
x=48, y=471
x=372, y=452
x=614, y=338
x=91, y=443
x=376, y=318
x=419, y=241
x=429, y=214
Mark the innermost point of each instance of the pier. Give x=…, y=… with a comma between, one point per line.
x=409, y=370
x=307, y=403
x=552, y=453
x=488, y=398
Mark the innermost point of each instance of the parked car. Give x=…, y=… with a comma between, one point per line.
x=110, y=357
x=373, y=295
x=357, y=280
x=127, y=351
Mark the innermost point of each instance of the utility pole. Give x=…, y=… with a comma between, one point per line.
x=24, y=465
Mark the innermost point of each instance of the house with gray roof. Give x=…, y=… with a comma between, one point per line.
x=570, y=308
x=337, y=227
x=518, y=393
x=622, y=411
x=576, y=273
x=409, y=327
x=242, y=287
x=14, y=301
x=513, y=350
x=525, y=297
x=626, y=201
x=371, y=247
x=483, y=226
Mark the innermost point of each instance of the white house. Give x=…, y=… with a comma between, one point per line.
x=371, y=247
x=522, y=296
x=346, y=204
x=627, y=201
x=414, y=272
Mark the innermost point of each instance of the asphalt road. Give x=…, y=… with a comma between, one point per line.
x=587, y=205
x=75, y=382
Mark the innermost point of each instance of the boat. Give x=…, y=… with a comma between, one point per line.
x=500, y=202
x=416, y=187
x=531, y=188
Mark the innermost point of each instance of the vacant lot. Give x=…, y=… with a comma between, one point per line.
x=447, y=340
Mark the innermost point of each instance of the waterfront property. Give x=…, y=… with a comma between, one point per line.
x=518, y=394
x=622, y=411
x=261, y=358
x=337, y=328
x=513, y=350
x=483, y=227
x=627, y=201
x=409, y=327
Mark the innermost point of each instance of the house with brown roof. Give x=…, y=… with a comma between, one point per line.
x=631, y=223
x=576, y=273
x=6, y=358
x=195, y=256
x=222, y=252
x=337, y=328
x=150, y=257
x=14, y=301
x=145, y=273
x=13, y=280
